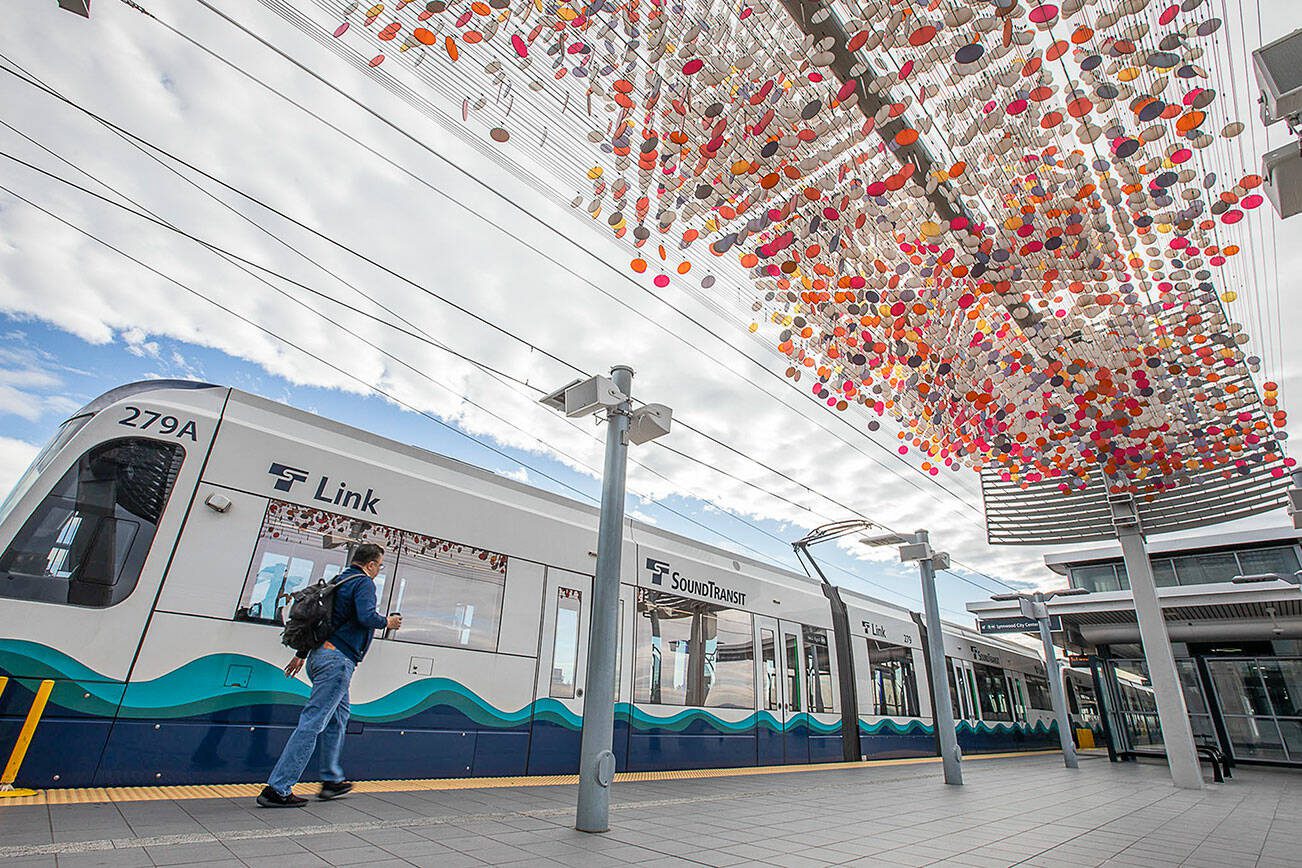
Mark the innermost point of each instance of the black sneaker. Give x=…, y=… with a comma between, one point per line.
x=269, y=798
x=333, y=790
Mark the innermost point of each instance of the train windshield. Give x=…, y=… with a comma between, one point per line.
x=66, y=432
x=86, y=541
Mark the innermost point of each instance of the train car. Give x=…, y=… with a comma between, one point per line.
x=150, y=550
x=999, y=693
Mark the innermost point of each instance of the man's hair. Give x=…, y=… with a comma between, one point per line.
x=367, y=552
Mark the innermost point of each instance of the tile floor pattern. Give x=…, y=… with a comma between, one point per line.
x=1017, y=811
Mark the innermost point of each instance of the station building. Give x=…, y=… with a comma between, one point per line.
x=1233, y=610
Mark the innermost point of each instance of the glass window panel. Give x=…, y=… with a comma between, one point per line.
x=1273, y=560
x=449, y=594
x=1238, y=687
x=992, y=691
x=954, y=698
x=1123, y=578
x=1039, y=691
x=1194, y=700
x=1206, y=568
x=818, y=669
x=1291, y=731
x=298, y=545
x=729, y=643
x=693, y=653
x=85, y=543
x=1164, y=573
x=565, y=646
x=1283, y=685
x=794, y=692
x=894, y=685
x=1255, y=738
x=769, y=668
x=1097, y=577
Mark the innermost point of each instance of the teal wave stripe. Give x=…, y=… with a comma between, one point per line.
x=892, y=727
x=203, y=686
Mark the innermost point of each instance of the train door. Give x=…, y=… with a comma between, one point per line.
x=771, y=723
x=1017, y=691
x=562, y=666
x=967, y=687
x=796, y=732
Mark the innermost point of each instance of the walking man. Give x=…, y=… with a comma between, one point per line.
x=330, y=668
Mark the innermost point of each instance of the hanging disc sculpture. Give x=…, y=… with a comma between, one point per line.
x=1010, y=228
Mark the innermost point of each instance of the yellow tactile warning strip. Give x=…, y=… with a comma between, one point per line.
x=91, y=795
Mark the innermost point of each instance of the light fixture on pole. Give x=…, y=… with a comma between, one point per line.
x=1033, y=606
x=609, y=396
x=918, y=548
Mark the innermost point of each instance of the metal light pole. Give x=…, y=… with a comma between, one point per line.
x=942, y=710
x=623, y=425
x=1033, y=606
x=919, y=549
x=596, y=760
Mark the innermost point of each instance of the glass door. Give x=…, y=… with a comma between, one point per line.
x=771, y=718
x=796, y=739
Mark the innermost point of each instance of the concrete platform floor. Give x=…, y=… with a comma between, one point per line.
x=1013, y=811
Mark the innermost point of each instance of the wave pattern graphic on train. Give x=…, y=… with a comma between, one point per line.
x=148, y=553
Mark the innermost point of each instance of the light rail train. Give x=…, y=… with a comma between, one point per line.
x=151, y=547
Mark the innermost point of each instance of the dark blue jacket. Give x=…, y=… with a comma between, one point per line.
x=355, y=619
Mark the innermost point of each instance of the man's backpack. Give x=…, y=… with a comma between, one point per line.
x=309, y=618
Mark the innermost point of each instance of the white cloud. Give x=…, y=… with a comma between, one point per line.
x=126, y=67
x=15, y=456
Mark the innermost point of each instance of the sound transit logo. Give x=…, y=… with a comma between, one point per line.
x=708, y=588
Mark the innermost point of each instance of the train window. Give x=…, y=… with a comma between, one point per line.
x=86, y=542
x=769, y=672
x=954, y=698
x=895, y=687
x=992, y=691
x=298, y=545
x=818, y=666
x=565, y=646
x=1019, y=699
x=1038, y=688
x=449, y=594
x=693, y=653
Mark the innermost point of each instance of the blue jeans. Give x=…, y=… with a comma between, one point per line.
x=323, y=721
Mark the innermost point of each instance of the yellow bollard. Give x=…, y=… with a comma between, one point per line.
x=7, y=789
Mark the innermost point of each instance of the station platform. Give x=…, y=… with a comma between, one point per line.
x=1014, y=810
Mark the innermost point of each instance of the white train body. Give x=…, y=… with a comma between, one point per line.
x=148, y=551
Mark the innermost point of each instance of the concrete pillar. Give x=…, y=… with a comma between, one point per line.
x=1177, y=734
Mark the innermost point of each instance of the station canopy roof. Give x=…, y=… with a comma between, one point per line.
x=1258, y=610
x=1009, y=231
